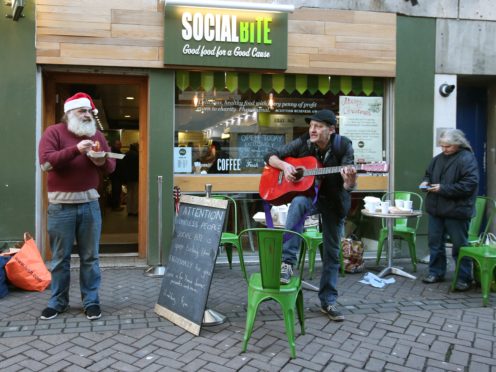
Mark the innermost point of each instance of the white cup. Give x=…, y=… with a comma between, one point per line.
x=408, y=205
x=371, y=207
x=283, y=216
x=399, y=203
x=385, y=207
x=275, y=215
x=197, y=167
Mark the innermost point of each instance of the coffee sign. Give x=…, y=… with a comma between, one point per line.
x=225, y=38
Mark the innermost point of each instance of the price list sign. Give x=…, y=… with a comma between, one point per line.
x=188, y=275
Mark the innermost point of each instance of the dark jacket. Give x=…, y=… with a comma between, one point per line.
x=458, y=175
x=331, y=191
x=131, y=166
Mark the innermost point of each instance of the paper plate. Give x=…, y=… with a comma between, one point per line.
x=95, y=154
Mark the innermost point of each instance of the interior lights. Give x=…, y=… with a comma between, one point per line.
x=271, y=101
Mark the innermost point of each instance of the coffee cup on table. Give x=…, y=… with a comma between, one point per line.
x=197, y=167
x=385, y=207
x=371, y=207
x=399, y=203
x=408, y=205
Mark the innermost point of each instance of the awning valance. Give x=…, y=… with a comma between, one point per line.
x=243, y=81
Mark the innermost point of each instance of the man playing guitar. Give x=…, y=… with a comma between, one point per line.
x=333, y=201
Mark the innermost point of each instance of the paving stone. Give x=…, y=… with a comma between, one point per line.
x=61, y=365
x=55, y=358
x=479, y=367
x=399, y=368
x=458, y=357
x=195, y=365
x=444, y=365
x=375, y=364
x=152, y=368
x=361, y=354
x=335, y=367
x=101, y=365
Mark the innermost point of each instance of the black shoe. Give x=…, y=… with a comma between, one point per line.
x=461, y=286
x=430, y=279
x=333, y=313
x=93, y=312
x=50, y=313
x=286, y=272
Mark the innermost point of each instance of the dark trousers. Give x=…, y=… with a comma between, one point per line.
x=457, y=230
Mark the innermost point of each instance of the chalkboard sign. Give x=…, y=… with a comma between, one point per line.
x=195, y=243
x=253, y=147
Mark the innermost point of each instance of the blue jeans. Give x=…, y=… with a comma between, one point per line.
x=458, y=232
x=68, y=223
x=332, y=231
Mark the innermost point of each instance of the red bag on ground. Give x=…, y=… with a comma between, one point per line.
x=26, y=269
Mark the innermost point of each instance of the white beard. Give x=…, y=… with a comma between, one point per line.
x=79, y=127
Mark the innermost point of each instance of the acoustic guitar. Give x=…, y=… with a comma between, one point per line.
x=276, y=190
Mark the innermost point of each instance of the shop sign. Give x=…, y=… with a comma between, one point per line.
x=210, y=37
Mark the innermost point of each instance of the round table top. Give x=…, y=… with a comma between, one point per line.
x=399, y=214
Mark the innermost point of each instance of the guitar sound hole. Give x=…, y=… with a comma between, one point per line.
x=299, y=174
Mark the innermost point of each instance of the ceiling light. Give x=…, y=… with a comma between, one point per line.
x=127, y=116
x=129, y=98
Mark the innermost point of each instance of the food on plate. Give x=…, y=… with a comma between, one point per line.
x=96, y=151
x=96, y=146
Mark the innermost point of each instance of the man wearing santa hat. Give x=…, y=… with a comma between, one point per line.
x=72, y=153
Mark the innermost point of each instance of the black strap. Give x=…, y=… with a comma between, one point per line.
x=337, y=147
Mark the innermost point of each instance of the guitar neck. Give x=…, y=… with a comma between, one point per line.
x=328, y=170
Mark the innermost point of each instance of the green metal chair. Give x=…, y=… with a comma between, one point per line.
x=474, y=229
x=265, y=285
x=313, y=238
x=483, y=254
x=231, y=238
x=401, y=228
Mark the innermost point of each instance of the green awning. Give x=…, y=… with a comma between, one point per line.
x=300, y=83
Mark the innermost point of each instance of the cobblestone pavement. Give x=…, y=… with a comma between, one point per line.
x=406, y=326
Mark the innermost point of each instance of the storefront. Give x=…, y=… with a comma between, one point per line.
x=239, y=80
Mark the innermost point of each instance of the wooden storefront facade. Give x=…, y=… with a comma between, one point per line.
x=123, y=41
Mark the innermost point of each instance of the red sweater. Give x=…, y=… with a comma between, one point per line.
x=72, y=171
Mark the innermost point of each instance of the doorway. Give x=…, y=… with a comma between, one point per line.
x=477, y=119
x=122, y=117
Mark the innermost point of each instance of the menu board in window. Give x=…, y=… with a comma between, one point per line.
x=252, y=148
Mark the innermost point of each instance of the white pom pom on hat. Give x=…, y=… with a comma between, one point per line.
x=79, y=100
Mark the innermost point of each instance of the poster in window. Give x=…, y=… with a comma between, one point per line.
x=182, y=160
x=360, y=119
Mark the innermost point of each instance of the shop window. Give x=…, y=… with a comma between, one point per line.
x=227, y=121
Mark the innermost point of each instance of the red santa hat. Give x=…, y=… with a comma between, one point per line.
x=79, y=100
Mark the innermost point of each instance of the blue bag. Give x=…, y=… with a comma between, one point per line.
x=4, y=289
